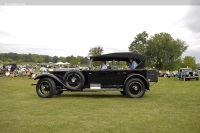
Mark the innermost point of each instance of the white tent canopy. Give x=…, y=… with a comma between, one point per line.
x=61, y=63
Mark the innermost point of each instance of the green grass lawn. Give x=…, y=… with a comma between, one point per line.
x=170, y=106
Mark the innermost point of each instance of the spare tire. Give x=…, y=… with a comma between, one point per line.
x=74, y=80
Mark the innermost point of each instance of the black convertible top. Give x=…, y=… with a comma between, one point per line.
x=121, y=56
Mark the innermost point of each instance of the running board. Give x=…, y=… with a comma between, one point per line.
x=102, y=89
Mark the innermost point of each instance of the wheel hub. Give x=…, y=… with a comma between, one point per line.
x=73, y=79
x=135, y=88
x=45, y=88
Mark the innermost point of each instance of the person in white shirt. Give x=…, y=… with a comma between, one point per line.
x=133, y=64
x=103, y=65
x=43, y=69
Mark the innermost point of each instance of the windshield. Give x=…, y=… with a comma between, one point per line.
x=187, y=70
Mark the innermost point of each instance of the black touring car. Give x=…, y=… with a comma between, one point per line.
x=130, y=82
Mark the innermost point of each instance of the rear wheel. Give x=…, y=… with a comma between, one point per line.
x=135, y=88
x=46, y=88
x=197, y=78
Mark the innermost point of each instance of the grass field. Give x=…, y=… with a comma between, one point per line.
x=170, y=106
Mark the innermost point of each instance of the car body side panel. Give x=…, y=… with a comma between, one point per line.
x=109, y=77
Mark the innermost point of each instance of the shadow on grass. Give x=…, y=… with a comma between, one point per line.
x=93, y=95
x=89, y=95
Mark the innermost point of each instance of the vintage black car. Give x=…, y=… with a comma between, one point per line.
x=187, y=74
x=130, y=82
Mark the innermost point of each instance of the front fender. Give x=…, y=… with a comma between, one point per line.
x=138, y=76
x=50, y=76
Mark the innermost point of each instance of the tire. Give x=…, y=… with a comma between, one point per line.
x=74, y=80
x=46, y=88
x=123, y=92
x=58, y=92
x=197, y=78
x=165, y=76
x=135, y=88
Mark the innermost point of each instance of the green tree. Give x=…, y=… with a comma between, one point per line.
x=164, y=52
x=47, y=59
x=7, y=60
x=75, y=61
x=63, y=59
x=55, y=59
x=189, y=61
x=84, y=60
x=35, y=58
x=139, y=44
x=95, y=51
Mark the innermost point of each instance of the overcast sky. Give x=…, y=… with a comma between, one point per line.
x=73, y=30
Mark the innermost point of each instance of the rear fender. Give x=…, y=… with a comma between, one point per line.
x=137, y=76
x=52, y=77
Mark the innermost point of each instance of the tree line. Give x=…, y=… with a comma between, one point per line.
x=35, y=58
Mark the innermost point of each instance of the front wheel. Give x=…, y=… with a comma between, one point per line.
x=135, y=88
x=46, y=88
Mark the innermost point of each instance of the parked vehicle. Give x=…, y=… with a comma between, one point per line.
x=130, y=82
x=160, y=73
x=187, y=73
x=174, y=73
x=167, y=74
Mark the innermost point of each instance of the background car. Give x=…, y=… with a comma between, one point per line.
x=187, y=73
x=174, y=73
x=160, y=73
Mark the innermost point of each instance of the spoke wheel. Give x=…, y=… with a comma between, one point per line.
x=46, y=88
x=74, y=80
x=135, y=88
